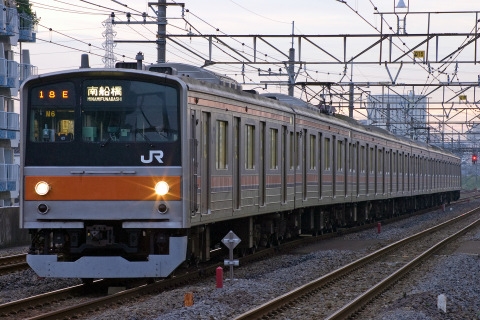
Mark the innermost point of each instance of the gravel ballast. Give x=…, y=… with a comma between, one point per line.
x=451, y=273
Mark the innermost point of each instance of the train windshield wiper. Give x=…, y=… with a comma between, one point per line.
x=104, y=143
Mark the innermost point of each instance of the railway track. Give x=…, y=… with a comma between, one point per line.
x=13, y=263
x=380, y=268
x=52, y=304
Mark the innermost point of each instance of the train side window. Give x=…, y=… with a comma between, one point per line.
x=380, y=160
x=362, y=159
x=370, y=160
x=221, y=145
x=292, y=150
x=297, y=150
x=394, y=162
x=340, y=155
x=313, y=151
x=249, y=146
x=388, y=158
x=273, y=149
x=351, y=156
x=327, y=154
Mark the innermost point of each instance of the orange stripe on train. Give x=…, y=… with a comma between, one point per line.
x=102, y=188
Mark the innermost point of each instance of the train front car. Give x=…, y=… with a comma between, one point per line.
x=101, y=166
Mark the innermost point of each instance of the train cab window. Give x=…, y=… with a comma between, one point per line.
x=129, y=111
x=52, y=116
x=249, y=146
x=326, y=154
x=221, y=145
x=273, y=149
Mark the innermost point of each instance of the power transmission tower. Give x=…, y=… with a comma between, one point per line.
x=109, y=58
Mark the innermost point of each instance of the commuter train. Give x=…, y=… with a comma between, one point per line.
x=130, y=173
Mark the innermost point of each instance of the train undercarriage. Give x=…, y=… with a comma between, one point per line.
x=153, y=247
x=270, y=229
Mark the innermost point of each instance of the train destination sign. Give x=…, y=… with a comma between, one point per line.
x=104, y=93
x=56, y=94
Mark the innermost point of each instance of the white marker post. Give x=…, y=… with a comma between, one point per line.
x=442, y=303
x=231, y=240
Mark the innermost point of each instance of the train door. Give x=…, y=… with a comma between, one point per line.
x=376, y=170
x=334, y=166
x=262, y=171
x=320, y=166
x=304, y=165
x=284, y=163
x=236, y=164
x=358, y=165
x=368, y=164
x=383, y=167
x=193, y=164
x=205, y=170
x=348, y=168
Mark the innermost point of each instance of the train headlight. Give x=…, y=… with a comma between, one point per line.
x=161, y=188
x=42, y=188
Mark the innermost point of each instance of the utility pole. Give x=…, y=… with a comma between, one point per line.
x=291, y=65
x=161, y=13
x=350, y=100
x=162, y=30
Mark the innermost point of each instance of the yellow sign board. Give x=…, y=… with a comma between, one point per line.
x=419, y=54
x=463, y=97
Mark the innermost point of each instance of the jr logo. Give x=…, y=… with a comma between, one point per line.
x=157, y=154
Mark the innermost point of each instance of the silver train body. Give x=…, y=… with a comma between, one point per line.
x=96, y=142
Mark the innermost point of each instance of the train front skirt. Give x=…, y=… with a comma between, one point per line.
x=157, y=266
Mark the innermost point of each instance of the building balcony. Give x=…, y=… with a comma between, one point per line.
x=26, y=70
x=27, y=28
x=11, y=21
x=9, y=125
x=8, y=176
x=9, y=77
x=12, y=74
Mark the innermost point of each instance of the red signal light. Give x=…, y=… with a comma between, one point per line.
x=474, y=158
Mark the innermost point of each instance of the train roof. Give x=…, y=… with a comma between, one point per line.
x=284, y=103
x=189, y=71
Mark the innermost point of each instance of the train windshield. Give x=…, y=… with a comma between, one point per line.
x=112, y=110
x=53, y=113
x=129, y=111
x=101, y=120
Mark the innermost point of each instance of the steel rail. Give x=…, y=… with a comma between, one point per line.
x=358, y=303
x=283, y=300
x=6, y=260
x=15, y=307
x=13, y=263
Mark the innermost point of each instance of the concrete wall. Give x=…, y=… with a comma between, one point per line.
x=10, y=234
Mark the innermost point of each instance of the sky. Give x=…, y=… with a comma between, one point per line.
x=68, y=28
x=82, y=21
